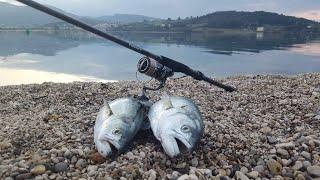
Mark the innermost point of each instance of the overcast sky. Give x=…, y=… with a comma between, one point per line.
x=175, y=8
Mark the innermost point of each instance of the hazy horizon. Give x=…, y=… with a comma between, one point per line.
x=309, y=9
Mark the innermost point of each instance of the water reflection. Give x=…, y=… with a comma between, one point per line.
x=75, y=54
x=21, y=76
x=49, y=43
x=12, y=43
x=307, y=49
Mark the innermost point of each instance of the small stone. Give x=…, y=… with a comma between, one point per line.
x=309, y=115
x=184, y=177
x=306, y=164
x=241, y=176
x=283, y=102
x=286, y=162
x=317, y=117
x=205, y=172
x=244, y=170
x=194, y=162
x=8, y=178
x=298, y=165
x=222, y=172
x=81, y=163
x=285, y=145
x=259, y=168
x=300, y=177
x=271, y=140
x=81, y=153
x=24, y=176
x=174, y=175
x=193, y=177
x=306, y=155
x=152, y=174
x=253, y=174
x=181, y=165
x=52, y=176
x=97, y=158
x=130, y=155
x=60, y=167
x=68, y=154
x=74, y=160
x=55, y=160
x=38, y=170
x=274, y=166
x=92, y=170
x=273, y=151
x=5, y=145
x=265, y=130
x=142, y=154
x=283, y=153
x=314, y=170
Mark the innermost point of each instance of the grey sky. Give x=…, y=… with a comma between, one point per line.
x=183, y=8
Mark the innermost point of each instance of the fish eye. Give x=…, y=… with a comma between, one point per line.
x=117, y=132
x=185, y=129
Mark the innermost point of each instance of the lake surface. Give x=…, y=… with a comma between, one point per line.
x=67, y=56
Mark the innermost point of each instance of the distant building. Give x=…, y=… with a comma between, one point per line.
x=260, y=29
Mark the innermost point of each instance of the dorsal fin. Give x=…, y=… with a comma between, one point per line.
x=107, y=107
x=165, y=95
x=167, y=103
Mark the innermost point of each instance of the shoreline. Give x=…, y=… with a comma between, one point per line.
x=93, y=80
x=269, y=128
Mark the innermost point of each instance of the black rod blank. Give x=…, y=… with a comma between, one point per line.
x=174, y=65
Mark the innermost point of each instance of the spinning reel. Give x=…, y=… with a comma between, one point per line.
x=155, y=70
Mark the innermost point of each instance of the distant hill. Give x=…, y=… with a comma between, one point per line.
x=126, y=18
x=23, y=16
x=224, y=20
x=236, y=19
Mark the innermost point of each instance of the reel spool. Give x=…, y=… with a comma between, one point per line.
x=153, y=69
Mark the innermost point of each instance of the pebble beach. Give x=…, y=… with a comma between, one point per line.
x=268, y=129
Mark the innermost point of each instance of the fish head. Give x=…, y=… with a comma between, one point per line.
x=180, y=134
x=113, y=132
x=113, y=136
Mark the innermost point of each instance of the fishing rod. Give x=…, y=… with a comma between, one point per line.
x=156, y=66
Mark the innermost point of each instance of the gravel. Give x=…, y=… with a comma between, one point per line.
x=268, y=129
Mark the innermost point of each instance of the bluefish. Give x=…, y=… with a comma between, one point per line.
x=116, y=124
x=177, y=123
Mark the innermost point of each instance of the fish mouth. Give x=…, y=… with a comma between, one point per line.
x=106, y=148
x=113, y=147
x=182, y=147
x=174, y=146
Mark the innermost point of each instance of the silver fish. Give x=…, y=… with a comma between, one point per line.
x=177, y=123
x=116, y=124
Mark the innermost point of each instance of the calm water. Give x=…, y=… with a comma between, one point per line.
x=76, y=56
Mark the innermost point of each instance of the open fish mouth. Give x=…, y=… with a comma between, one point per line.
x=113, y=148
x=182, y=147
x=108, y=148
x=175, y=146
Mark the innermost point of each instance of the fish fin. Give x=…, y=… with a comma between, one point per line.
x=167, y=104
x=108, y=108
x=165, y=95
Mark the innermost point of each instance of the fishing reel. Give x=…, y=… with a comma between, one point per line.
x=154, y=69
